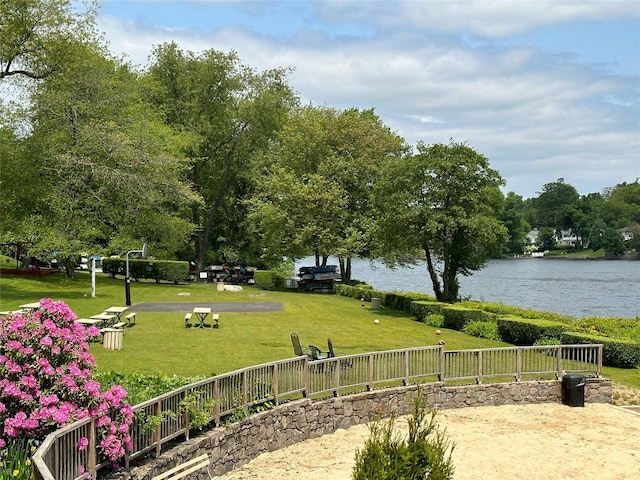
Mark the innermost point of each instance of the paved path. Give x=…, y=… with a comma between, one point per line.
x=215, y=306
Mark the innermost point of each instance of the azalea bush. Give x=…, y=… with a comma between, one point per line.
x=46, y=382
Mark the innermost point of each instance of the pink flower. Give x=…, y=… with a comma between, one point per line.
x=83, y=443
x=46, y=341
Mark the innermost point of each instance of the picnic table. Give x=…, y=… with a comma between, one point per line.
x=30, y=306
x=106, y=318
x=117, y=311
x=87, y=322
x=202, y=313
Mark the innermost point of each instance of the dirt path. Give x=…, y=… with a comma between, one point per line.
x=540, y=442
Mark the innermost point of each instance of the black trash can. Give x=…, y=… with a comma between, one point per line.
x=573, y=390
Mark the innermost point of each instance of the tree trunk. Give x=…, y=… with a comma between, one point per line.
x=345, y=268
x=435, y=282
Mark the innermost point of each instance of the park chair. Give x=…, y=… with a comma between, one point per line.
x=331, y=353
x=345, y=363
x=297, y=348
x=317, y=354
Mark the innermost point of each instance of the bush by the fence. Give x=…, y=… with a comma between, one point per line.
x=616, y=352
x=482, y=330
x=421, y=310
x=526, y=331
x=456, y=317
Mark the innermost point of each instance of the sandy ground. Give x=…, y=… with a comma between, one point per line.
x=533, y=442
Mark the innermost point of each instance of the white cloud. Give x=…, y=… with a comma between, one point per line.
x=537, y=116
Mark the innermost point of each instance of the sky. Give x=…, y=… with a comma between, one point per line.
x=544, y=89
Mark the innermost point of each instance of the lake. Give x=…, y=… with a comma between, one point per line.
x=578, y=288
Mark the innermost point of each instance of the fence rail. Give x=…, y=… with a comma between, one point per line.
x=58, y=458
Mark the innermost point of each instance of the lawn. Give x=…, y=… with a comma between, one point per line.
x=159, y=343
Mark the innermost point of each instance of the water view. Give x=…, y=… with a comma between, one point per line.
x=578, y=288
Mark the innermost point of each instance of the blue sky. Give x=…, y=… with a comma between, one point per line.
x=544, y=89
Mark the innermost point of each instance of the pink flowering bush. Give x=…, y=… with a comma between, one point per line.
x=46, y=381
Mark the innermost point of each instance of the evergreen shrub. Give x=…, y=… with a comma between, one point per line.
x=424, y=454
x=527, y=331
x=421, y=309
x=616, y=352
x=482, y=330
x=456, y=317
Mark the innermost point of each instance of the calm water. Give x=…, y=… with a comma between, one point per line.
x=578, y=288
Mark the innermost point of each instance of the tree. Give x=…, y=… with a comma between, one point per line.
x=318, y=181
x=513, y=220
x=546, y=239
x=104, y=164
x=441, y=205
x=36, y=35
x=225, y=112
x=554, y=205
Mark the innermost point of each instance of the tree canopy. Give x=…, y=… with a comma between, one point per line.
x=317, y=184
x=440, y=205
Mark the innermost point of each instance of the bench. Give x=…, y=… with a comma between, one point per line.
x=185, y=469
x=187, y=317
x=216, y=320
x=131, y=319
x=118, y=325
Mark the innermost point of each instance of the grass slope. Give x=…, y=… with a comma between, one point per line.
x=159, y=343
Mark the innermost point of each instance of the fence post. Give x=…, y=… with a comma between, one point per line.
x=158, y=433
x=479, y=360
x=275, y=379
x=441, y=366
x=405, y=381
x=92, y=450
x=306, y=378
x=518, y=364
x=370, y=373
x=215, y=396
x=600, y=355
x=559, y=361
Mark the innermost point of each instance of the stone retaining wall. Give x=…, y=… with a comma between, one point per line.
x=300, y=420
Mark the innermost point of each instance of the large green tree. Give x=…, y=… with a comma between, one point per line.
x=225, y=112
x=101, y=163
x=513, y=220
x=317, y=184
x=555, y=205
x=441, y=205
x=37, y=35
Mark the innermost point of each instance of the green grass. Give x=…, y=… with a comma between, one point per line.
x=159, y=343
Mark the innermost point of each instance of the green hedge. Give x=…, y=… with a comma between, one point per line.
x=526, y=331
x=616, y=352
x=402, y=300
x=268, y=279
x=159, y=270
x=359, y=291
x=456, y=317
x=421, y=309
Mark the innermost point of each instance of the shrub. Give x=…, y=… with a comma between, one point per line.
x=434, y=320
x=265, y=279
x=527, y=331
x=616, y=352
x=170, y=271
x=360, y=291
x=424, y=454
x=422, y=310
x=482, y=330
x=46, y=381
x=456, y=317
x=402, y=300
